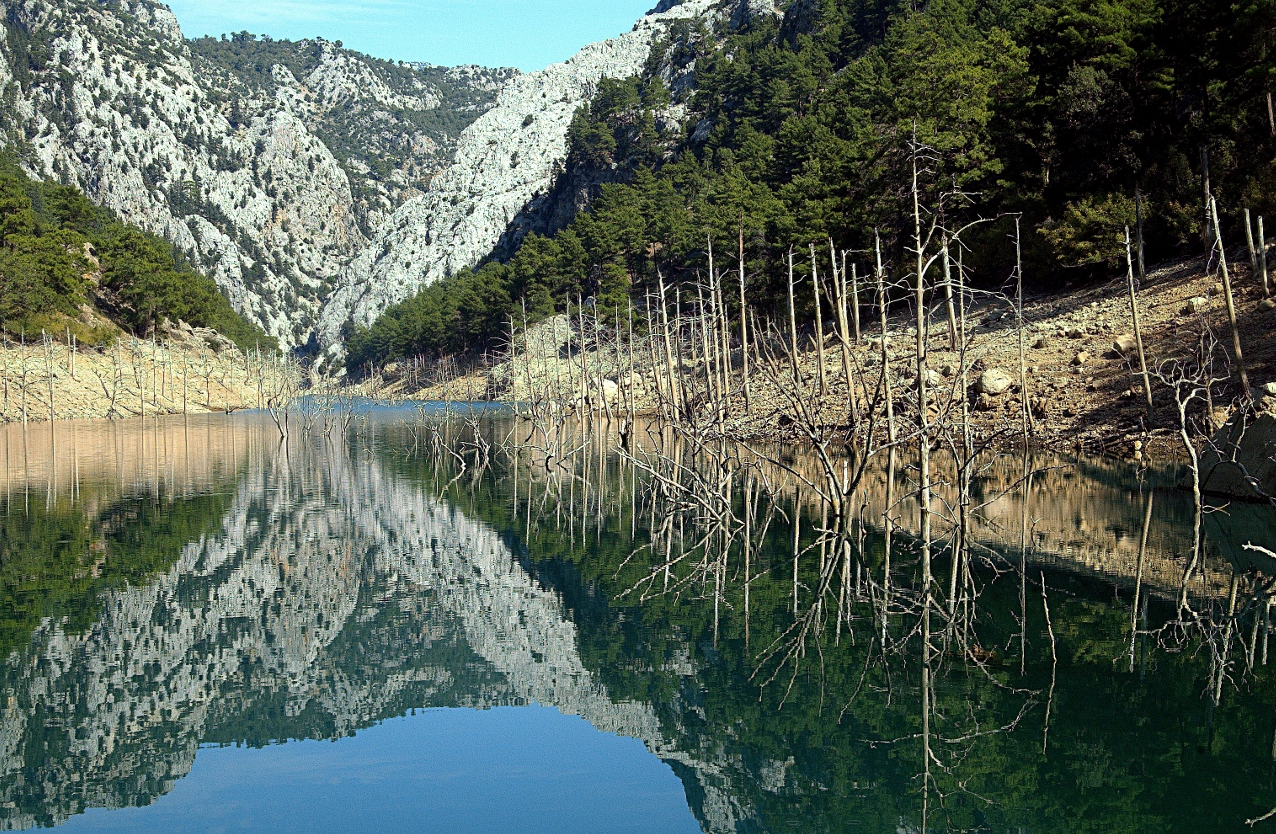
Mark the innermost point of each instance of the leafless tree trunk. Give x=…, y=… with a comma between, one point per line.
x=1249, y=246
x=630, y=349
x=793, y=342
x=744, y=329
x=1025, y=393
x=819, y=323
x=843, y=331
x=706, y=352
x=1138, y=222
x=677, y=353
x=1138, y=330
x=855, y=296
x=1231, y=303
x=948, y=296
x=48, y=364
x=924, y=462
x=585, y=403
x=883, y=306
x=723, y=343
x=669, y=367
x=1207, y=239
x=1262, y=258
x=24, y=376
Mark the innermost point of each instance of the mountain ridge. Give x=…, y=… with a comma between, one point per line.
x=314, y=184
x=226, y=165
x=507, y=160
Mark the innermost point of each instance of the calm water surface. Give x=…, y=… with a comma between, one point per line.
x=201, y=630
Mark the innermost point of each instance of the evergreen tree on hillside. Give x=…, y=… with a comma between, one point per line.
x=51, y=239
x=1058, y=111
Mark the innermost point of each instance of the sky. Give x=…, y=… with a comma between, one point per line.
x=528, y=34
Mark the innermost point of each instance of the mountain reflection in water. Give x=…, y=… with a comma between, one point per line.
x=195, y=583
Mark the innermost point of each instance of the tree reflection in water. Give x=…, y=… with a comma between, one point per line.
x=200, y=582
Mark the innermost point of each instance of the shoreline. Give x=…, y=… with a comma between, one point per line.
x=1084, y=392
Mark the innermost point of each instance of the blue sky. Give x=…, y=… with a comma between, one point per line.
x=528, y=34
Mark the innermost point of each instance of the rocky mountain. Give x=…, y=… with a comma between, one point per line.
x=268, y=164
x=505, y=162
x=316, y=185
x=392, y=126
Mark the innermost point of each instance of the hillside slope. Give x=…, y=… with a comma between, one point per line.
x=505, y=161
x=266, y=180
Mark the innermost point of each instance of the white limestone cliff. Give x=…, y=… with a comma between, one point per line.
x=503, y=160
x=111, y=98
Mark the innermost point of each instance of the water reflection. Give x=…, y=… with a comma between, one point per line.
x=198, y=582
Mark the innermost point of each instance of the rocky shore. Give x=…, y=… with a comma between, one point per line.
x=1084, y=390
x=188, y=371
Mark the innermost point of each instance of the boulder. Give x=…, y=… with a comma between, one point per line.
x=1125, y=345
x=994, y=382
x=1081, y=359
x=1267, y=305
x=1240, y=461
x=1197, y=306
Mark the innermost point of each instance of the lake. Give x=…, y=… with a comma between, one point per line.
x=428, y=623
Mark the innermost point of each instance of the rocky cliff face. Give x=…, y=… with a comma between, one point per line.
x=509, y=157
x=222, y=155
x=316, y=185
x=392, y=127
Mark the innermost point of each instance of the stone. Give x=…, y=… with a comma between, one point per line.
x=1081, y=359
x=611, y=390
x=1041, y=343
x=1197, y=306
x=949, y=370
x=1125, y=345
x=994, y=382
x=1267, y=305
x=1241, y=459
x=1270, y=389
